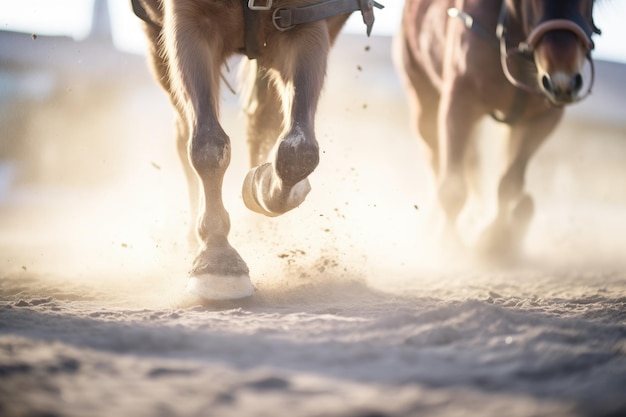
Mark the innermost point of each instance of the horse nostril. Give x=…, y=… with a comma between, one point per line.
x=577, y=83
x=547, y=84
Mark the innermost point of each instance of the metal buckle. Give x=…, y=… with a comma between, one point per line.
x=253, y=6
x=276, y=18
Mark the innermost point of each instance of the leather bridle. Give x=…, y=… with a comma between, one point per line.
x=527, y=47
x=525, y=50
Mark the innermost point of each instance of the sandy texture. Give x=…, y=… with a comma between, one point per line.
x=357, y=312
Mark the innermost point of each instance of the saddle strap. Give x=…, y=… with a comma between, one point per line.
x=286, y=18
x=251, y=20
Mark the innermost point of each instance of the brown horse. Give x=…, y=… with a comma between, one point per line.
x=520, y=61
x=289, y=41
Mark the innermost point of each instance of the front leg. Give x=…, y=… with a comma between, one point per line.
x=297, y=64
x=458, y=115
x=218, y=271
x=503, y=238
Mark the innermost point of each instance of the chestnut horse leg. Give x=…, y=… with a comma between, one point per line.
x=262, y=103
x=423, y=99
x=457, y=119
x=503, y=238
x=296, y=65
x=262, y=106
x=194, y=63
x=159, y=68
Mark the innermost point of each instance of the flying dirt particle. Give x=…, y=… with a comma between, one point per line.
x=338, y=213
x=359, y=68
x=24, y=268
x=364, y=106
x=294, y=252
x=33, y=36
x=367, y=48
x=324, y=263
x=416, y=207
x=124, y=245
x=155, y=166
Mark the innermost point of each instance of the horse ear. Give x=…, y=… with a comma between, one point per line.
x=594, y=28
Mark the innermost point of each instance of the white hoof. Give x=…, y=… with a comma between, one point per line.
x=217, y=287
x=260, y=186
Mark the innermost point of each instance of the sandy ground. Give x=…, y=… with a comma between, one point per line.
x=356, y=312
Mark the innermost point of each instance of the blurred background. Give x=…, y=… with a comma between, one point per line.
x=89, y=175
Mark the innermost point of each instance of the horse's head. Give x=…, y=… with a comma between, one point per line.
x=559, y=35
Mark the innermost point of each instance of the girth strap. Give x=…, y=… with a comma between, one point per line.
x=251, y=23
x=286, y=18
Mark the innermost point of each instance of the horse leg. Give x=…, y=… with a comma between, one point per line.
x=218, y=270
x=456, y=120
x=503, y=238
x=263, y=112
x=193, y=184
x=156, y=58
x=297, y=66
x=423, y=99
x=262, y=103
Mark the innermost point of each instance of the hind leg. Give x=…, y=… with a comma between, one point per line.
x=263, y=112
x=503, y=238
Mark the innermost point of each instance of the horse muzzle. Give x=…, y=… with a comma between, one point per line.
x=561, y=88
x=560, y=66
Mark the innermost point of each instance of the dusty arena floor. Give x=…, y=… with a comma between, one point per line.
x=357, y=313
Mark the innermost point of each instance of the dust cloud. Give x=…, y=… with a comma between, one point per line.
x=98, y=199
x=357, y=311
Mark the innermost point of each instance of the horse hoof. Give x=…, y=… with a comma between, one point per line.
x=264, y=195
x=220, y=287
x=249, y=195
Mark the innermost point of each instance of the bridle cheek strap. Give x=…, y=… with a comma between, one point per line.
x=531, y=43
x=559, y=24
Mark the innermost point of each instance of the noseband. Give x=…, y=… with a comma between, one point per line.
x=527, y=48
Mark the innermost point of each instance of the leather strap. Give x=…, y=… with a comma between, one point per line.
x=285, y=18
x=251, y=23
